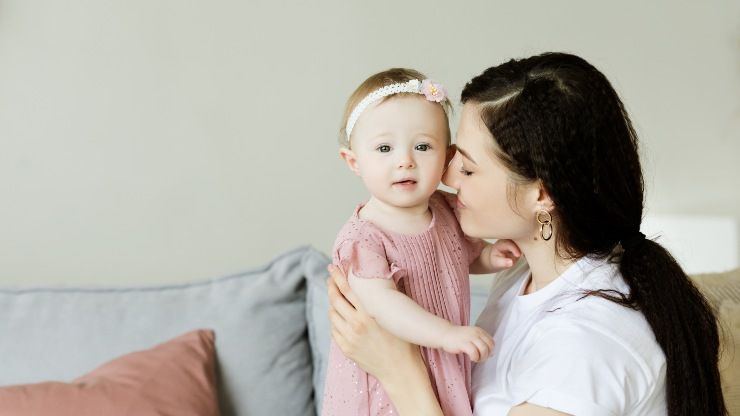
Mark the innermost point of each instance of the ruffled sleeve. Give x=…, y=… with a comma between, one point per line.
x=366, y=258
x=472, y=246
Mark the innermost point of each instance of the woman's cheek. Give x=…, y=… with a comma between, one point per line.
x=468, y=223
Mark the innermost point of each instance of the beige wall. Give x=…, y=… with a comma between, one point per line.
x=145, y=141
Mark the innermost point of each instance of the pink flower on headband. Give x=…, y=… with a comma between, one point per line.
x=433, y=91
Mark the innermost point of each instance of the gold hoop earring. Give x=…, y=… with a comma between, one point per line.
x=545, y=220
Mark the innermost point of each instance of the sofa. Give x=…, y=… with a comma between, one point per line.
x=270, y=326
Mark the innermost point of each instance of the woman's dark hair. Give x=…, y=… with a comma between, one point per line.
x=557, y=119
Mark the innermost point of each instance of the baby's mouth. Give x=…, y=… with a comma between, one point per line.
x=405, y=182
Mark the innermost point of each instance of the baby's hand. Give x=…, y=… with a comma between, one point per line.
x=503, y=254
x=470, y=340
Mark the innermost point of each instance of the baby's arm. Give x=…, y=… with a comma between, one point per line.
x=496, y=257
x=403, y=317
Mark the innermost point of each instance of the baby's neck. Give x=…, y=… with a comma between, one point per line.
x=401, y=220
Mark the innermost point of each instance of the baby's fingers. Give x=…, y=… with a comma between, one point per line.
x=484, y=343
x=499, y=262
x=471, y=350
x=483, y=348
x=508, y=248
x=489, y=343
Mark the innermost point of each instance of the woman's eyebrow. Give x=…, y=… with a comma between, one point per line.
x=467, y=156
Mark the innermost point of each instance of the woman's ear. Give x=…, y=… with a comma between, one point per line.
x=537, y=198
x=349, y=157
x=544, y=201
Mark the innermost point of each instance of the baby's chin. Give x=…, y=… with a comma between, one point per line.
x=403, y=203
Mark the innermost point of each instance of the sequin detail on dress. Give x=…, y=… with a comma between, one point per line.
x=432, y=268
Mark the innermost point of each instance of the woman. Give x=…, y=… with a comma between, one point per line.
x=595, y=319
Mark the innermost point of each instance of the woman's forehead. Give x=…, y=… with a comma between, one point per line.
x=464, y=150
x=469, y=140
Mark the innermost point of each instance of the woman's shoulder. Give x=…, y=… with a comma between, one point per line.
x=617, y=371
x=580, y=342
x=601, y=329
x=598, y=321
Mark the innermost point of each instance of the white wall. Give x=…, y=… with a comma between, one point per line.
x=149, y=141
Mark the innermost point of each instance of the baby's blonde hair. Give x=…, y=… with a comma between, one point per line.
x=380, y=80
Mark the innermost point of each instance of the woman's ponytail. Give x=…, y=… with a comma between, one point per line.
x=684, y=326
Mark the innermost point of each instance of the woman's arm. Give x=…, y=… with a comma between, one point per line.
x=395, y=363
x=526, y=409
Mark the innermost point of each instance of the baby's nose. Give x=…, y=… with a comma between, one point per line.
x=406, y=162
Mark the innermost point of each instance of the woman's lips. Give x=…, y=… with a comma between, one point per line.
x=459, y=204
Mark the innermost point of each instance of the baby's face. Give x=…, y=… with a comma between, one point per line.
x=400, y=146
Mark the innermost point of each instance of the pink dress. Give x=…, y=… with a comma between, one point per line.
x=432, y=269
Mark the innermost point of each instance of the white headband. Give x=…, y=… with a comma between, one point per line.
x=433, y=92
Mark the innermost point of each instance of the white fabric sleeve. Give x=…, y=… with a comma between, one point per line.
x=574, y=369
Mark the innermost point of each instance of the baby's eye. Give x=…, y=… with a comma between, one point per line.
x=422, y=147
x=383, y=148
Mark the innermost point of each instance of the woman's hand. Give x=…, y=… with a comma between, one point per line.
x=358, y=335
x=395, y=363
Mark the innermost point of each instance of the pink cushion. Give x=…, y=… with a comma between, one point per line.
x=177, y=377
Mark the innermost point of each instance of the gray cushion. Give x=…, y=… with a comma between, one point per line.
x=318, y=321
x=317, y=307
x=258, y=317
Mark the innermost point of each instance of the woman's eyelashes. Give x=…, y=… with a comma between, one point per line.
x=465, y=171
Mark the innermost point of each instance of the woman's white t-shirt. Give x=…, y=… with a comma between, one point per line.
x=557, y=349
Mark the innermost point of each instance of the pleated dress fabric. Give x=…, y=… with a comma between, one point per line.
x=432, y=269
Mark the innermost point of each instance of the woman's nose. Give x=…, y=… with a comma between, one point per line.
x=451, y=177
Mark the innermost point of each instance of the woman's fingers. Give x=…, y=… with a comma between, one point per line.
x=337, y=298
x=338, y=322
x=342, y=283
x=350, y=320
x=341, y=342
x=339, y=305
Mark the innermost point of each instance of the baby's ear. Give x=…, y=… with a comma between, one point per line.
x=351, y=160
